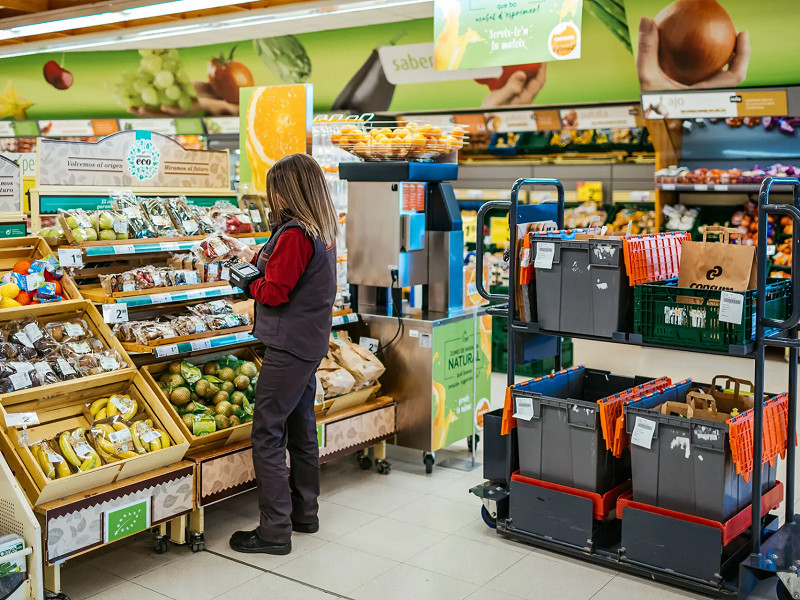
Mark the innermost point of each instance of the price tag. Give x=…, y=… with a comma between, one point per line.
x=22, y=338
x=170, y=246
x=195, y=294
x=204, y=344
x=700, y=187
x=83, y=450
x=668, y=187
x=731, y=307
x=369, y=343
x=524, y=409
x=66, y=368
x=54, y=457
x=128, y=287
x=191, y=277
x=643, y=432
x=70, y=257
x=21, y=419
x=545, y=253
x=124, y=249
x=160, y=298
x=121, y=436
x=241, y=336
x=33, y=332
x=109, y=363
x=74, y=330
x=256, y=216
x=115, y=313
x=20, y=381
x=122, y=403
x=771, y=250
x=162, y=351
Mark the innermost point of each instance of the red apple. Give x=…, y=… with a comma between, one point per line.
x=496, y=83
x=57, y=76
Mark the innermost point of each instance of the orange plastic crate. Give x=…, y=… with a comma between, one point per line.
x=775, y=435
x=653, y=257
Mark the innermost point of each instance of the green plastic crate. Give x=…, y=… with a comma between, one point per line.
x=537, y=368
x=661, y=318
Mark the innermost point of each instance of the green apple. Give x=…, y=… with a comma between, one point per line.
x=107, y=234
x=72, y=222
x=91, y=235
x=94, y=220
x=122, y=236
x=106, y=221
x=80, y=234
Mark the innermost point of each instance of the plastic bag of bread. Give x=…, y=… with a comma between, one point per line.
x=362, y=364
x=335, y=380
x=189, y=325
x=38, y=335
x=74, y=330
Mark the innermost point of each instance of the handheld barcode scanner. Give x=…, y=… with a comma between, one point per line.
x=243, y=274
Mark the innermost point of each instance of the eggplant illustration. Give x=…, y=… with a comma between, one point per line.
x=368, y=90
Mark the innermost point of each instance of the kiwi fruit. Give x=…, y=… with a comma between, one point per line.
x=222, y=422
x=211, y=368
x=220, y=396
x=238, y=398
x=194, y=397
x=202, y=388
x=190, y=407
x=188, y=420
x=226, y=374
x=241, y=382
x=174, y=380
x=224, y=408
x=234, y=420
x=249, y=368
x=175, y=367
x=180, y=396
x=227, y=386
x=238, y=411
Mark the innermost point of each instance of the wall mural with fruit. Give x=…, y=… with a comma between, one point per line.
x=345, y=66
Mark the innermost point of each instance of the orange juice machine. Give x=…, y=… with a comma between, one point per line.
x=404, y=233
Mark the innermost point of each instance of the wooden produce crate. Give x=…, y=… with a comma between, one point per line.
x=63, y=311
x=223, y=472
x=65, y=410
x=13, y=250
x=96, y=293
x=62, y=221
x=357, y=427
x=346, y=400
x=224, y=437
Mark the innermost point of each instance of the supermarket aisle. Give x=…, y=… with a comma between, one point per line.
x=403, y=536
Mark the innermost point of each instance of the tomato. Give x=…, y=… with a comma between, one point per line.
x=496, y=83
x=226, y=76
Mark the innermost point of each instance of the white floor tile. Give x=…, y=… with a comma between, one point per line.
x=82, y=580
x=391, y=539
x=478, y=530
x=137, y=557
x=466, y=560
x=373, y=497
x=202, y=576
x=336, y=520
x=275, y=587
x=405, y=582
x=487, y=593
x=537, y=577
x=437, y=513
x=128, y=591
x=336, y=568
x=244, y=504
x=627, y=587
x=459, y=488
x=409, y=476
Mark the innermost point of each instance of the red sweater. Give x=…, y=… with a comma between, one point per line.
x=289, y=260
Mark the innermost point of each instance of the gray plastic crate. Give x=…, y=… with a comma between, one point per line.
x=586, y=291
x=494, y=447
x=563, y=442
x=689, y=466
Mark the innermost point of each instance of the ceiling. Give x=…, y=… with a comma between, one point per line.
x=297, y=16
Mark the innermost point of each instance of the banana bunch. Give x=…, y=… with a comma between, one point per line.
x=148, y=439
x=111, y=445
x=118, y=404
x=52, y=463
x=81, y=456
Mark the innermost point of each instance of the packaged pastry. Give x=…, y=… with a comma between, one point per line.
x=189, y=325
x=138, y=225
x=74, y=330
x=41, y=339
x=159, y=217
x=182, y=215
x=106, y=360
x=64, y=368
x=45, y=372
x=228, y=321
x=78, y=350
x=148, y=332
x=252, y=205
x=215, y=307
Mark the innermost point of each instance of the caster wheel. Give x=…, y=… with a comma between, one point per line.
x=490, y=521
x=364, y=461
x=52, y=596
x=782, y=592
x=428, y=460
x=473, y=441
x=384, y=467
x=197, y=542
x=162, y=546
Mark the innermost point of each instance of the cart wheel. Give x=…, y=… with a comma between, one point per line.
x=384, y=466
x=470, y=441
x=197, y=542
x=428, y=459
x=162, y=545
x=490, y=521
x=52, y=596
x=782, y=592
x=364, y=461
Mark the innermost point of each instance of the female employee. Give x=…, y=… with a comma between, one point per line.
x=293, y=301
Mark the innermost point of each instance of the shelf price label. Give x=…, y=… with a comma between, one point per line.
x=203, y=344
x=70, y=257
x=162, y=351
x=115, y=313
x=160, y=298
x=124, y=249
x=170, y=246
x=23, y=419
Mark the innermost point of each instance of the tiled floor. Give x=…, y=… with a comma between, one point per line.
x=405, y=536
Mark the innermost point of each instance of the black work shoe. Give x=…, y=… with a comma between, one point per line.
x=251, y=543
x=305, y=527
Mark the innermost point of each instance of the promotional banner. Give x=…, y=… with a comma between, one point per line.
x=361, y=69
x=486, y=33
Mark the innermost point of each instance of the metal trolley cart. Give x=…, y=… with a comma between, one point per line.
x=719, y=558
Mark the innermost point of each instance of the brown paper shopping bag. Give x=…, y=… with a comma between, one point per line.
x=717, y=265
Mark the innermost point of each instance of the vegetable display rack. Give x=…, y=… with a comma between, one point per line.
x=723, y=559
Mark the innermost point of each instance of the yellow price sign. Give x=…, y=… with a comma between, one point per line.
x=470, y=226
x=498, y=231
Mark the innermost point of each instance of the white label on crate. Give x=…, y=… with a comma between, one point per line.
x=33, y=332
x=115, y=313
x=65, y=367
x=545, y=253
x=150, y=436
x=643, y=432
x=20, y=380
x=124, y=249
x=166, y=350
x=120, y=437
x=771, y=250
x=21, y=419
x=22, y=338
x=369, y=343
x=668, y=187
x=425, y=340
x=721, y=188
x=201, y=344
x=74, y=330
x=43, y=369
x=524, y=409
x=731, y=307
x=160, y=298
x=414, y=333
x=170, y=246
x=54, y=457
x=83, y=450
x=129, y=287
x=109, y=363
x=70, y=257
x=700, y=187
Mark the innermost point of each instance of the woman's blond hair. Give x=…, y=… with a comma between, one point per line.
x=296, y=184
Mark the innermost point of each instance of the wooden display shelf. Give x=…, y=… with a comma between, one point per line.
x=96, y=293
x=345, y=401
x=65, y=411
x=13, y=250
x=65, y=311
x=146, y=349
x=232, y=435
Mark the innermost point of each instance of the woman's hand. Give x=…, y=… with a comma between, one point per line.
x=239, y=249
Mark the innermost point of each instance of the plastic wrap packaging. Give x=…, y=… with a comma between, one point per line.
x=112, y=225
x=204, y=221
x=231, y=219
x=106, y=360
x=81, y=224
x=76, y=449
x=216, y=247
x=74, y=330
x=252, y=205
x=42, y=341
x=189, y=325
x=159, y=217
x=227, y=321
x=182, y=215
x=15, y=376
x=50, y=459
x=111, y=435
x=138, y=225
x=214, y=307
x=180, y=277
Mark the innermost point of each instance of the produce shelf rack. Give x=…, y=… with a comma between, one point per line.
x=676, y=549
